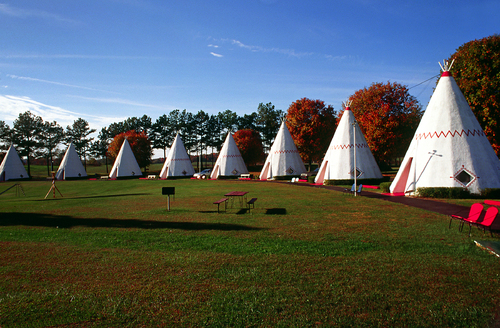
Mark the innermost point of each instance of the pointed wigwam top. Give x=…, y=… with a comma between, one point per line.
x=125, y=164
x=283, y=158
x=229, y=163
x=338, y=163
x=71, y=166
x=178, y=163
x=12, y=168
x=449, y=148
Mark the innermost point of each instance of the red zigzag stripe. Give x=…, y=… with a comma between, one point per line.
x=180, y=159
x=348, y=146
x=231, y=156
x=449, y=133
x=285, y=151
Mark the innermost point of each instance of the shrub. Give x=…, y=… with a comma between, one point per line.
x=384, y=186
x=443, y=192
x=491, y=193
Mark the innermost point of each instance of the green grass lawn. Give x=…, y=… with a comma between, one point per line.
x=108, y=254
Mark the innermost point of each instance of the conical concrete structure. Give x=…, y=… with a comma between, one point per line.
x=178, y=163
x=12, y=168
x=229, y=163
x=283, y=159
x=125, y=164
x=348, y=154
x=71, y=166
x=449, y=148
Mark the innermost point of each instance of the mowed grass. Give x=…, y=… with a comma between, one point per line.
x=108, y=254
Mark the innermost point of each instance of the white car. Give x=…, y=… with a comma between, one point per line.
x=203, y=174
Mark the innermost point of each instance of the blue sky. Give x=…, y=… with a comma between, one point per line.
x=106, y=60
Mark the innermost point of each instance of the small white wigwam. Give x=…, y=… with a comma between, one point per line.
x=71, y=166
x=12, y=168
x=283, y=159
x=348, y=153
x=449, y=148
x=229, y=163
x=125, y=164
x=178, y=163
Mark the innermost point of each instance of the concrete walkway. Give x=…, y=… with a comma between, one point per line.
x=423, y=203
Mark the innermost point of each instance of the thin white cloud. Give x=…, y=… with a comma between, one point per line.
x=287, y=52
x=12, y=106
x=213, y=46
x=216, y=55
x=6, y=9
x=120, y=101
x=53, y=82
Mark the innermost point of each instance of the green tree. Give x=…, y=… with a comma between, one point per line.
x=78, y=134
x=162, y=134
x=476, y=70
x=5, y=135
x=52, y=134
x=25, y=135
x=388, y=117
x=99, y=147
x=268, y=120
x=247, y=122
x=312, y=125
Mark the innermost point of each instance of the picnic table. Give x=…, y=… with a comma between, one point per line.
x=241, y=195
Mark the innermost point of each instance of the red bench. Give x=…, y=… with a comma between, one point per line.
x=220, y=201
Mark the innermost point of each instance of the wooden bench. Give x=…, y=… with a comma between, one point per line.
x=244, y=176
x=251, y=202
x=220, y=201
x=104, y=177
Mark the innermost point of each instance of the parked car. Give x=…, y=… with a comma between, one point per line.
x=203, y=174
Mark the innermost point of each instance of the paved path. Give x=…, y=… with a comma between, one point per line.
x=423, y=203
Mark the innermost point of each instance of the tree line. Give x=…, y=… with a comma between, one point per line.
x=35, y=138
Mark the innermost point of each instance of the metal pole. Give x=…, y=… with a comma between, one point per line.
x=355, y=171
x=168, y=203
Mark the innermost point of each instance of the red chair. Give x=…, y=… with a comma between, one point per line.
x=489, y=218
x=474, y=213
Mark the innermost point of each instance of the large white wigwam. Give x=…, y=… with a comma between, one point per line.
x=283, y=159
x=339, y=162
x=125, y=164
x=178, y=164
x=449, y=148
x=229, y=163
x=12, y=168
x=71, y=166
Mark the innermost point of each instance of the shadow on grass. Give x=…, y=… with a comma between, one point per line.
x=276, y=211
x=64, y=221
x=58, y=197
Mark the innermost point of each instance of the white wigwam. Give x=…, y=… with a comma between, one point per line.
x=229, y=163
x=12, y=168
x=338, y=163
x=283, y=158
x=71, y=166
x=178, y=164
x=125, y=164
x=449, y=148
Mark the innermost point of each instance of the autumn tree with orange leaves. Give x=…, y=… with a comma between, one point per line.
x=139, y=142
x=312, y=125
x=249, y=143
x=388, y=117
x=476, y=70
